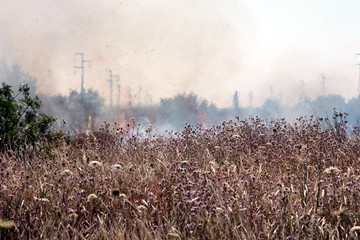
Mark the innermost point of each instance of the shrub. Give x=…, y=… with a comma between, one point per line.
x=20, y=120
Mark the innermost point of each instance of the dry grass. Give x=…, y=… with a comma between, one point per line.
x=239, y=180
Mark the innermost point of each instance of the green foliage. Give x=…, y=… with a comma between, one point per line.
x=20, y=120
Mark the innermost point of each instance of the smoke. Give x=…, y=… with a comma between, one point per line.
x=165, y=47
x=211, y=48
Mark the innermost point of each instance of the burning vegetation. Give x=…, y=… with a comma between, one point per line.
x=241, y=179
x=244, y=178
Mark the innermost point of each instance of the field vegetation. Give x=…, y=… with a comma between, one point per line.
x=242, y=179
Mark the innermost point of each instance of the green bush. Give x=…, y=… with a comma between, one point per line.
x=20, y=120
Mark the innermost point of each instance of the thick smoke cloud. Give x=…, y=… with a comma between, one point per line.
x=211, y=48
x=164, y=47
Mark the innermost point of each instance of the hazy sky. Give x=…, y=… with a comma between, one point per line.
x=208, y=47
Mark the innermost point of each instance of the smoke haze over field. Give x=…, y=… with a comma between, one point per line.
x=211, y=48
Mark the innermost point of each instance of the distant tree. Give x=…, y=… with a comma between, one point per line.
x=271, y=108
x=85, y=105
x=353, y=108
x=324, y=105
x=14, y=76
x=182, y=109
x=20, y=120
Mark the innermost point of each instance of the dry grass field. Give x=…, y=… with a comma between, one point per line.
x=250, y=179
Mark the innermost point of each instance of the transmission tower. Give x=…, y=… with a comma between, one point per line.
x=82, y=67
x=148, y=99
x=251, y=96
x=358, y=65
x=112, y=78
x=271, y=93
x=323, y=83
x=139, y=94
x=117, y=80
x=302, y=91
x=129, y=96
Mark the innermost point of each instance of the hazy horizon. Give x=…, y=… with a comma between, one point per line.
x=210, y=48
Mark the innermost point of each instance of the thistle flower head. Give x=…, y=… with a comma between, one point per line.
x=66, y=173
x=339, y=212
x=122, y=196
x=6, y=224
x=115, y=192
x=95, y=164
x=332, y=170
x=116, y=167
x=355, y=228
x=92, y=197
x=149, y=129
x=141, y=208
x=72, y=217
x=184, y=164
x=44, y=200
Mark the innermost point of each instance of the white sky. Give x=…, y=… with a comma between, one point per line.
x=208, y=47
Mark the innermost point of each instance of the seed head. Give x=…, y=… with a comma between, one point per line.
x=92, y=197
x=115, y=192
x=355, y=228
x=116, y=167
x=340, y=212
x=95, y=164
x=332, y=170
x=184, y=164
x=72, y=217
x=7, y=224
x=122, y=196
x=141, y=208
x=66, y=173
x=44, y=200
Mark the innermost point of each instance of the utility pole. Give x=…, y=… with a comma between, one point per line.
x=82, y=67
x=358, y=64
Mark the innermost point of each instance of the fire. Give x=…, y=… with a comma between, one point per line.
x=202, y=116
x=121, y=124
x=122, y=121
